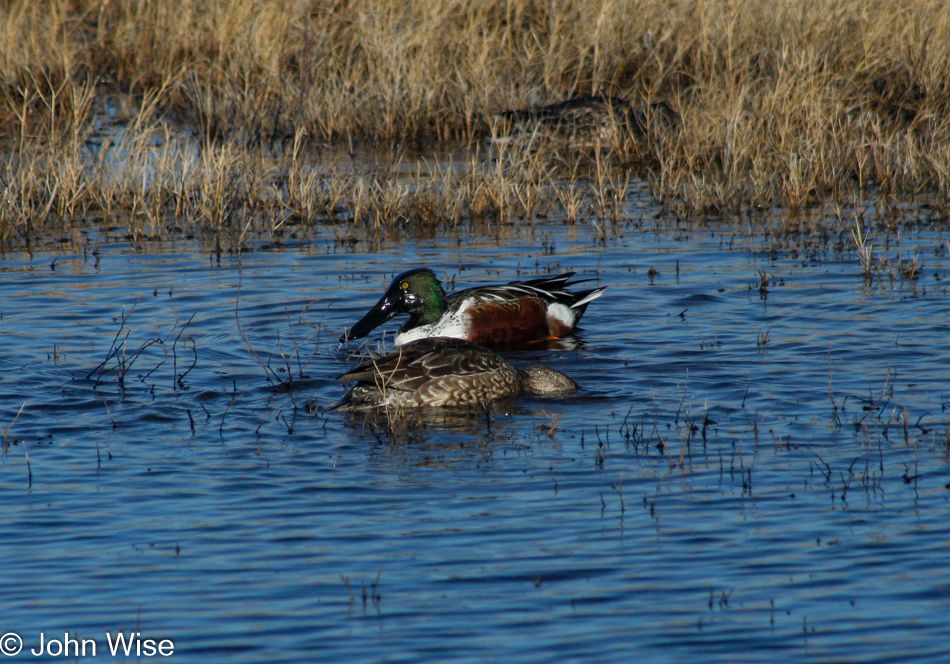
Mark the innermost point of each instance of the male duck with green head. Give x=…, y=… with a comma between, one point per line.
x=493, y=316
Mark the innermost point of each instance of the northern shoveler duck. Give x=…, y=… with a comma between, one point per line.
x=495, y=316
x=607, y=118
x=441, y=372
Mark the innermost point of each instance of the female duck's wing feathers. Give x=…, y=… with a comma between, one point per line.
x=432, y=372
x=412, y=365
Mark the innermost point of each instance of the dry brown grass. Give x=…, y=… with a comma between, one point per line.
x=241, y=116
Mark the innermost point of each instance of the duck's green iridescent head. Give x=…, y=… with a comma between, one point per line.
x=416, y=292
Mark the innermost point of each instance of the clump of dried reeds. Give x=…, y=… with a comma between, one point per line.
x=238, y=116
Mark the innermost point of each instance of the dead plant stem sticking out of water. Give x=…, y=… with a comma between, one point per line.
x=26, y=451
x=6, y=430
x=292, y=363
x=124, y=358
x=864, y=248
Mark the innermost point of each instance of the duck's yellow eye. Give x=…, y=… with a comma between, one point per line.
x=404, y=285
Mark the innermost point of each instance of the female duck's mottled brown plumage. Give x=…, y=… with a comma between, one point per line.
x=437, y=372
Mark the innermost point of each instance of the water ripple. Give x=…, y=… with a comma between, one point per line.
x=746, y=475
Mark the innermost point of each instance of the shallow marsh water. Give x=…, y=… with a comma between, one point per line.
x=747, y=474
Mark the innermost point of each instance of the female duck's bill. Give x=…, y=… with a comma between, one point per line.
x=445, y=372
x=494, y=316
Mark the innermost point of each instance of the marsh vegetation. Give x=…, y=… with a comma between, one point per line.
x=268, y=118
x=756, y=459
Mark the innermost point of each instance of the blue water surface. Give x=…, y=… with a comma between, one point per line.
x=748, y=474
